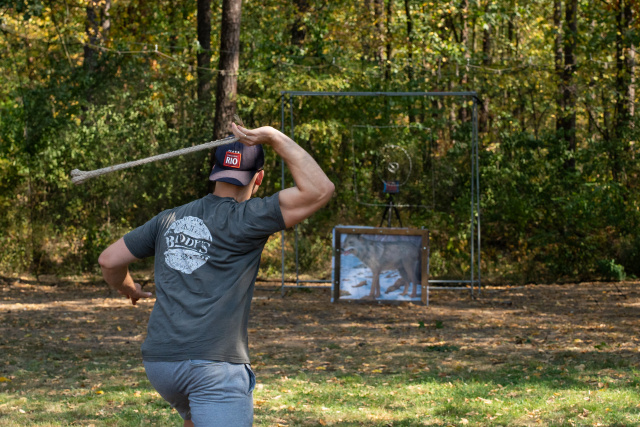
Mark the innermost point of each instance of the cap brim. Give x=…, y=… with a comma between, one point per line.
x=240, y=178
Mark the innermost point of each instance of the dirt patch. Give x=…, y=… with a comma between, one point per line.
x=304, y=331
x=530, y=324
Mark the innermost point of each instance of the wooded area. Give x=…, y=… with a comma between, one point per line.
x=90, y=84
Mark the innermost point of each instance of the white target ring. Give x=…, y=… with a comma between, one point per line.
x=394, y=164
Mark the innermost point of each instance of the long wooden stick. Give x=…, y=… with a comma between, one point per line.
x=78, y=176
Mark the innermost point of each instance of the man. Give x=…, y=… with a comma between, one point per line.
x=208, y=251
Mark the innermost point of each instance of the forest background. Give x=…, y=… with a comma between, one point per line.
x=90, y=84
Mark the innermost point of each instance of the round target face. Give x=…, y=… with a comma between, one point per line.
x=393, y=164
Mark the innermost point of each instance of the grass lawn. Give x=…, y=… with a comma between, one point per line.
x=558, y=355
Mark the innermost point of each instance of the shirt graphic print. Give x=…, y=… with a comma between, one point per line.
x=188, y=240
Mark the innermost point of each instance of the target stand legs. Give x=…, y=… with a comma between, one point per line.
x=388, y=212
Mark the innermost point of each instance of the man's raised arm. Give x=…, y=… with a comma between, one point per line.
x=313, y=188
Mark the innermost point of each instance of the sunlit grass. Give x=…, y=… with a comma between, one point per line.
x=510, y=395
x=499, y=398
x=459, y=363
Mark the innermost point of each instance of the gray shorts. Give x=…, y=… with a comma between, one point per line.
x=208, y=393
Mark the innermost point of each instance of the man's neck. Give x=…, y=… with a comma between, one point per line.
x=224, y=189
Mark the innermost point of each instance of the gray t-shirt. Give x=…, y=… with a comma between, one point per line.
x=207, y=258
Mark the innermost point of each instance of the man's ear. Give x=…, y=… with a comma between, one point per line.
x=260, y=177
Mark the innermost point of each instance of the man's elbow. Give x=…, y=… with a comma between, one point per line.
x=107, y=260
x=104, y=260
x=328, y=188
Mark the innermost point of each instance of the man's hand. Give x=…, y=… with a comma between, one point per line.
x=135, y=294
x=261, y=135
x=312, y=189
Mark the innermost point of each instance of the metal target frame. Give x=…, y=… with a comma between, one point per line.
x=474, y=282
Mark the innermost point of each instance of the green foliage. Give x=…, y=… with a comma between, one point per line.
x=610, y=270
x=542, y=219
x=314, y=255
x=23, y=8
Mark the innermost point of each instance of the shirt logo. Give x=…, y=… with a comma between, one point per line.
x=188, y=240
x=232, y=159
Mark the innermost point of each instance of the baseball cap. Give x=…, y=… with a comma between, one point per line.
x=237, y=163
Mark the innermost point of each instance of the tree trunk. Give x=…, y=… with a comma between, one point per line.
x=624, y=67
x=487, y=42
x=378, y=10
x=407, y=11
x=97, y=26
x=366, y=43
x=467, y=54
x=567, y=119
x=227, y=84
x=204, y=54
x=487, y=60
x=564, y=69
x=389, y=38
x=557, y=24
x=624, y=86
x=176, y=15
x=631, y=64
x=299, y=28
